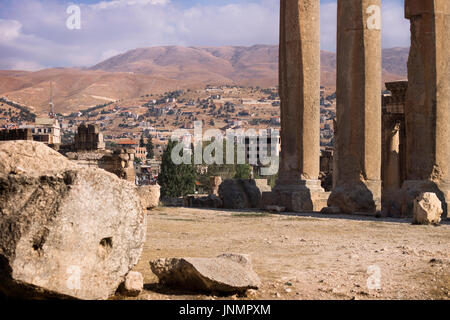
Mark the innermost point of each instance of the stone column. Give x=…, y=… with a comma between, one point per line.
x=427, y=114
x=298, y=187
x=393, y=155
x=358, y=140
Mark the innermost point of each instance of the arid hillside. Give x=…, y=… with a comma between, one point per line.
x=160, y=69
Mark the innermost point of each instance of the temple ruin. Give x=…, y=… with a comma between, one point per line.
x=385, y=154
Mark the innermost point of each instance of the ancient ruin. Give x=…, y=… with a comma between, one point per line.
x=427, y=113
x=384, y=155
x=298, y=187
x=88, y=138
x=16, y=134
x=393, y=160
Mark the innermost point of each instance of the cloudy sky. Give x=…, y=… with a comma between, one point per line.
x=34, y=33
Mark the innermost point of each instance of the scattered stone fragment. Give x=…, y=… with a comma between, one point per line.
x=240, y=194
x=133, y=284
x=330, y=210
x=277, y=209
x=227, y=274
x=252, y=294
x=149, y=196
x=427, y=209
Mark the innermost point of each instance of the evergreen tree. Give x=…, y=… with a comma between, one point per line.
x=243, y=171
x=175, y=180
x=141, y=142
x=150, y=148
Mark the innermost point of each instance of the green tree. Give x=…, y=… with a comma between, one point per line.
x=150, y=148
x=142, y=142
x=175, y=180
x=243, y=171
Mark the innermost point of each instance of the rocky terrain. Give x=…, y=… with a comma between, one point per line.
x=306, y=256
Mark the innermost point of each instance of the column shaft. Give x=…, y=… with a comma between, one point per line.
x=298, y=182
x=427, y=114
x=358, y=141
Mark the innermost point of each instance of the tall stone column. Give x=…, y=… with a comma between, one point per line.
x=427, y=114
x=358, y=140
x=298, y=187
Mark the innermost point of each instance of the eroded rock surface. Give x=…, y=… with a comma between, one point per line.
x=228, y=273
x=427, y=209
x=150, y=196
x=65, y=231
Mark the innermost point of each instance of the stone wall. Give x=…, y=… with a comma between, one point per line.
x=88, y=138
x=121, y=163
x=16, y=134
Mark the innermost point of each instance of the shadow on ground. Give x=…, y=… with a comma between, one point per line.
x=316, y=215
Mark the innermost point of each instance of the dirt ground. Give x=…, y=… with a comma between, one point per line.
x=306, y=256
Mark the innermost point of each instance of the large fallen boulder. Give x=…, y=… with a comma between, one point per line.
x=240, y=194
x=210, y=201
x=427, y=209
x=149, y=196
x=228, y=274
x=65, y=231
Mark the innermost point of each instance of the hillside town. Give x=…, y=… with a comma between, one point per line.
x=130, y=124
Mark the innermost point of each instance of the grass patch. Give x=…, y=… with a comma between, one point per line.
x=251, y=215
x=180, y=219
x=301, y=219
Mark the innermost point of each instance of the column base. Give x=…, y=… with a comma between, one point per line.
x=297, y=196
x=413, y=188
x=363, y=198
x=391, y=203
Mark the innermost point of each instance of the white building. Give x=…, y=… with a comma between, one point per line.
x=45, y=130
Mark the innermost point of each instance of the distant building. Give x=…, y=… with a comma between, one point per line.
x=127, y=143
x=88, y=138
x=141, y=153
x=45, y=130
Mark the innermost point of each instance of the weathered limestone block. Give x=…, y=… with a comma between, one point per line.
x=65, y=230
x=120, y=164
x=240, y=194
x=228, y=273
x=262, y=185
x=331, y=210
x=210, y=201
x=427, y=209
x=215, y=183
x=133, y=284
x=306, y=197
x=149, y=196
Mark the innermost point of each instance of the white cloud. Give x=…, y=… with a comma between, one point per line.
x=26, y=66
x=123, y=3
x=328, y=25
x=36, y=29
x=9, y=30
x=395, y=27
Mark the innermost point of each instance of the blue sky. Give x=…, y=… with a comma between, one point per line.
x=33, y=33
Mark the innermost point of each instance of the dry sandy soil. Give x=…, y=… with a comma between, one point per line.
x=305, y=256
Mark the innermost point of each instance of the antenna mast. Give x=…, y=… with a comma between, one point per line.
x=52, y=106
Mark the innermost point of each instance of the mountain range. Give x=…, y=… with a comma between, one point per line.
x=159, y=69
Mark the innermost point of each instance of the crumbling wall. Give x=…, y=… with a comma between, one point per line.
x=16, y=134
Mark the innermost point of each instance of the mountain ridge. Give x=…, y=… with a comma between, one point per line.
x=159, y=69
